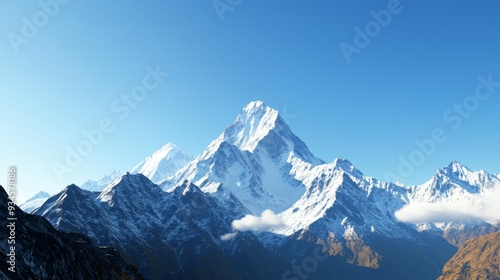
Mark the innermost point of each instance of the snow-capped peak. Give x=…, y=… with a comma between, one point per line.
x=190, y=188
x=163, y=163
x=129, y=185
x=460, y=174
x=455, y=171
x=36, y=201
x=259, y=126
x=253, y=159
x=456, y=168
x=252, y=125
x=347, y=167
x=455, y=182
x=128, y=179
x=39, y=195
x=103, y=182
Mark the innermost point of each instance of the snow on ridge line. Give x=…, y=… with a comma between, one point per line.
x=162, y=163
x=103, y=182
x=252, y=124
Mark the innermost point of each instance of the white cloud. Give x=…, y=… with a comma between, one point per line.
x=266, y=221
x=419, y=212
x=229, y=236
x=485, y=206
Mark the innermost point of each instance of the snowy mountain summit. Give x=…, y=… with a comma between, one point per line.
x=162, y=163
x=252, y=159
x=254, y=123
x=34, y=202
x=260, y=126
x=454, y=182
x=189, y=207
x=97, y=186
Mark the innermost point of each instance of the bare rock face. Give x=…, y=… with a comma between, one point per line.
x=478, y=258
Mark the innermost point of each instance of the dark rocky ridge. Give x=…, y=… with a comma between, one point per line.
x=42, y=252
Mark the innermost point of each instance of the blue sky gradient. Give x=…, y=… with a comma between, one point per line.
x=395, y=90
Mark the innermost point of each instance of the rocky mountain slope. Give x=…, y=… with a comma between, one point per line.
x=166, y=235
x=478, y=258
x=332, y=213
x=42, y=252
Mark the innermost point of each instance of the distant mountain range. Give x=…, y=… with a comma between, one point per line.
x=167, y=216
x=42, y=252
x=34, y=202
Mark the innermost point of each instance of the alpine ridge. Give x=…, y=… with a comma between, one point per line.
x=168, y=214
x=97, y=186
x=162, y=163
x=34, y=202
x=252, y=158
x=42, y=252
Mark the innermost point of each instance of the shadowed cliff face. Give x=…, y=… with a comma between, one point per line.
x=42, y=252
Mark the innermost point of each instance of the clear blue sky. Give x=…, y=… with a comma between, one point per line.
x=65, y=77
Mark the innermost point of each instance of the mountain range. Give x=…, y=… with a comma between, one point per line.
x=257, y=204
x=36, y=250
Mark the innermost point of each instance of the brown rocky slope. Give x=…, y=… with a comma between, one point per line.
x=478, y=258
